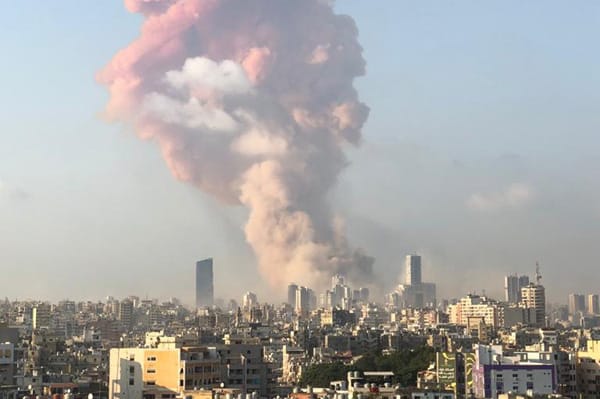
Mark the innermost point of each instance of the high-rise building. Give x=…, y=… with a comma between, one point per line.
x=413, y=269
x=418, y=295
x=534, y=297
x=576, y=303
x=204, y=283
x=336, y=280
x=249, y=300
x=126, y=313
x=415, y=293
x=341, y=294
x=512, y=287
x=364, y=294
x=41, y=316
x=291, y=294
x=302, y=300
x=593, y=304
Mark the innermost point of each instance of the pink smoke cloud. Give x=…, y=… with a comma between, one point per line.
x=252, y=101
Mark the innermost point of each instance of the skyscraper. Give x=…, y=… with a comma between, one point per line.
x=249, y=300
x=413, y=269
x=336, y=280
x=512, y=287
x=291, y=295
x=523, y=282
x=126, y=312
x=302, y=300
x=41, y=316
x=576, y=303
x=204, y=283
x=534, y=297
x=593, y=304
x=415, y=293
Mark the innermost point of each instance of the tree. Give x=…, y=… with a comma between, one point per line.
x=405, y=364
x=320, y=375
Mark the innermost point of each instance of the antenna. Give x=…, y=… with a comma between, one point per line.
x=538, y=276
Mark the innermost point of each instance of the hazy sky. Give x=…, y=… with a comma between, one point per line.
x=481, y=154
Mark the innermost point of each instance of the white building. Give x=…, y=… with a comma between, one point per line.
x=475, y=306
x=249, y=300
x=495, y=374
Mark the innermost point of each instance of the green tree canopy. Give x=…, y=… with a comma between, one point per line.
x=405, y=364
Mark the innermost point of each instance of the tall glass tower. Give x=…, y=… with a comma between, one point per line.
x=204, y=283
x=413, y=270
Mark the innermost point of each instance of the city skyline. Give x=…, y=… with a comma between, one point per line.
x=299, y=199
x=480, y=145
x=204, y=296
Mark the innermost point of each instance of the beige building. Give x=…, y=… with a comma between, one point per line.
x=137, y=373
x=593, y=304
x=294, y=361
x=200, y=368
x=161, y=373
x=588, y=370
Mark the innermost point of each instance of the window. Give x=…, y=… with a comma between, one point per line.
x=131, y=358
x=529, y=385
x=151, y=358
x=151, y=382
x=131, y=369
x=131, y=381
x=151, y=371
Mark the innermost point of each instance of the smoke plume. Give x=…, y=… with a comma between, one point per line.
x=253, y=102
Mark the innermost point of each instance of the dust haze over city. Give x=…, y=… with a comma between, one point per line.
x=335, y=138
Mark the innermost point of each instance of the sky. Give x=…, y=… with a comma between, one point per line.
x=480, y=154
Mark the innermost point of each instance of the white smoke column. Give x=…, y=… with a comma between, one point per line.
x=253, y=102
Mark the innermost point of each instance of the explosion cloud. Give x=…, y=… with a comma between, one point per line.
x=252, y=101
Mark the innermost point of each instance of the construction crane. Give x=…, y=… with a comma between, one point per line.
x=538, y=275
